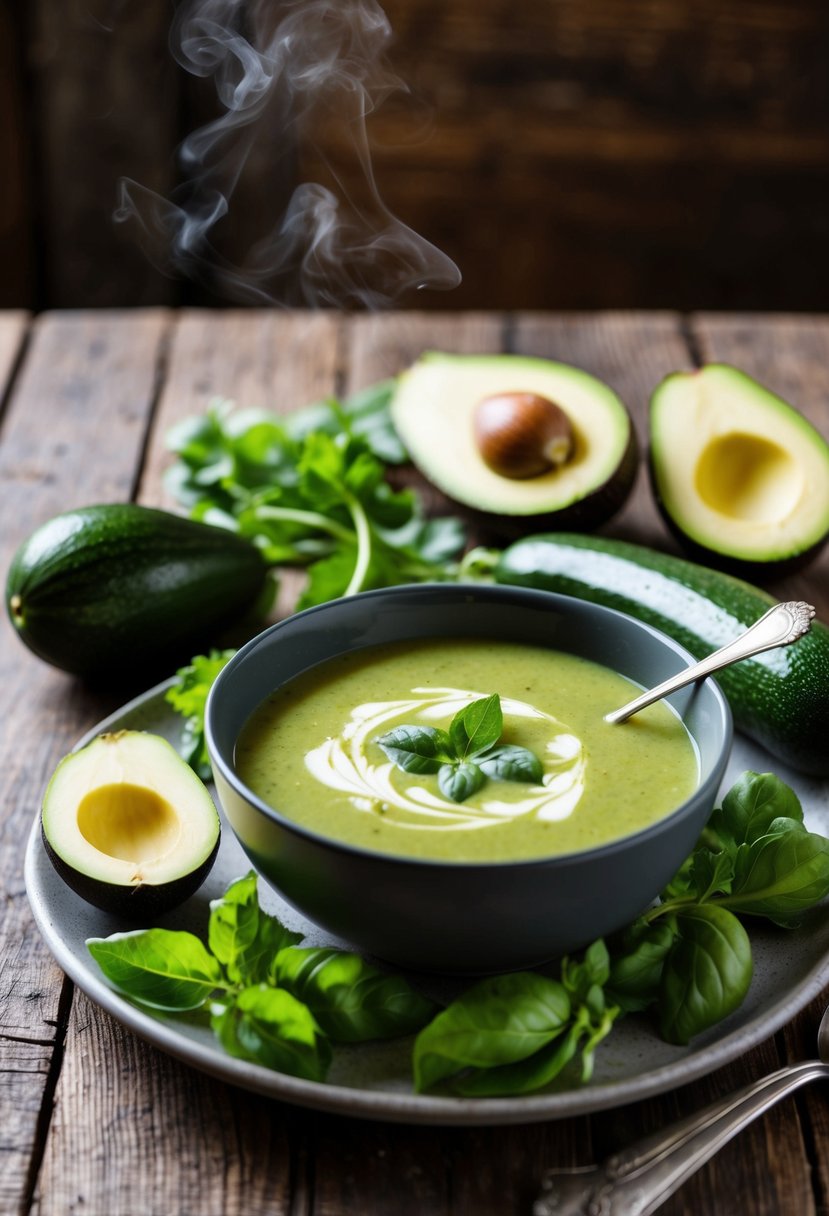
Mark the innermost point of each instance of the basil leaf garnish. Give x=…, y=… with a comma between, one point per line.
x=510, y=763
x=476, y=727
x=417, y=749
x=466, y=756
x=458, y=781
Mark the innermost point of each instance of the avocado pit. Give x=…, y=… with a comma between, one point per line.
x=522, y=434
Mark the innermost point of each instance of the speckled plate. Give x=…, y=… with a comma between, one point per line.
x=373, y=1081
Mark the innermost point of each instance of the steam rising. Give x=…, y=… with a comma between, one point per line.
x=275, y=65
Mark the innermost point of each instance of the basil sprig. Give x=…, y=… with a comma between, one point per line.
x=268, y=1001
x=686, y=962
x=688, y=959
x=464, y=756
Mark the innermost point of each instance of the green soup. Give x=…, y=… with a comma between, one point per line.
x=311, y=752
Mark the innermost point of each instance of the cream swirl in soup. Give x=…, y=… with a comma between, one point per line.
x=311, y=752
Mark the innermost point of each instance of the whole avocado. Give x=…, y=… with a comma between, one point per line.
x=113, y=591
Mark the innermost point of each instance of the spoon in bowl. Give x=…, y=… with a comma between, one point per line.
x=782, y=624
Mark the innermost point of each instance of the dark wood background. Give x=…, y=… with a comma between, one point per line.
x=566, y=153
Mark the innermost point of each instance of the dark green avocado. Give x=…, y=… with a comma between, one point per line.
x=129, y=826
x=119, y=591
x=741, y=478
x=436, y=411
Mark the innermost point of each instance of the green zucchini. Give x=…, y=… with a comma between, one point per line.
x=780, y=698
x=112, y=591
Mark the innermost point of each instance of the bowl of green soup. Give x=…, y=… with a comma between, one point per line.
x=426, y=772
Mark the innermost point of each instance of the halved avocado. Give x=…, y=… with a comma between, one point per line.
x=128, y=824
x=740, y=476
x=434, y=411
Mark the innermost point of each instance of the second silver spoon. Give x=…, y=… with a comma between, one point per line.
x=782, y=624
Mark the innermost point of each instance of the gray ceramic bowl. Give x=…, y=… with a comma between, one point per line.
x=461, y=916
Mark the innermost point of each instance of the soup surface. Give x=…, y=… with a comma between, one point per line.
x=311, y=752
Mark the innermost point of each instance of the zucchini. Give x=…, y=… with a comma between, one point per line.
x=110, y=591
x=780, y=698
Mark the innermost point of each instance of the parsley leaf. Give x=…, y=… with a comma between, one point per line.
x=188, y=697
x=309, y=490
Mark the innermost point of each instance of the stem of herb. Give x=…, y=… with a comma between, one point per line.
x=361, y=527
x=312, y=519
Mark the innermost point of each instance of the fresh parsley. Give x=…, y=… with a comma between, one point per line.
x=464, y=756
x=188, y=697
x=310, y=490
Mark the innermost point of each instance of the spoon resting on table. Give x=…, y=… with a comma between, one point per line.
x=782, y=624
x=637, y=1180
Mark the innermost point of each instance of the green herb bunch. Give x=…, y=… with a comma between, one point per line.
x=309, y=490
x=268, y=1000
x=464, y=756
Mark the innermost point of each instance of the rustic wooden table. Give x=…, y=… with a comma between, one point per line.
x=92, y=1119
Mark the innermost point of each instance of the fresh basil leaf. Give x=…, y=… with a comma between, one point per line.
x=243, y=938
x=780, y=875
x=417, y=749
x=711, y=872
x=163, y=968
x=706, y=973
x=498, y=1021
x=270, y=1027
x=582, y=978
x=477, y=726
x=459, y=781
x=234, y=920
x=523, y=1077
x=350, y=1000
x=509, y=763
x=752, y=803
x=637, y=962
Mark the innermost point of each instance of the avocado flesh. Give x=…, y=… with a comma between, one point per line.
x=128, y=825
x=433, y=409
x=739, y=474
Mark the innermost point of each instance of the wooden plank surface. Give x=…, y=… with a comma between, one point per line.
x=131, y=1130
x=86, y=386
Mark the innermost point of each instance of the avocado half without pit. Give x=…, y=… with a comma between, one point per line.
x=128, y=825
x=740, y=476
x=516, y=439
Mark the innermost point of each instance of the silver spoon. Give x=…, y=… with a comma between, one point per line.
x=636, y=1181
x=782, y=624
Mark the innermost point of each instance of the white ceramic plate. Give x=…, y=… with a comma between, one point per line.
x=373, y=1081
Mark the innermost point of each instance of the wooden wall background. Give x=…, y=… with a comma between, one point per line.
x=566, y=153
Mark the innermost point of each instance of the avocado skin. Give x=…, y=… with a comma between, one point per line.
x=131, y=902
x=763, y=571
x=783, y=707
x=109, y=591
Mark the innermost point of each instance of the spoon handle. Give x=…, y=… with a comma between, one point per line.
x=782, y=624
x=637, y=1180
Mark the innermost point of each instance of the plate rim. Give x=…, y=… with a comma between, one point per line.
x=377, y=1104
